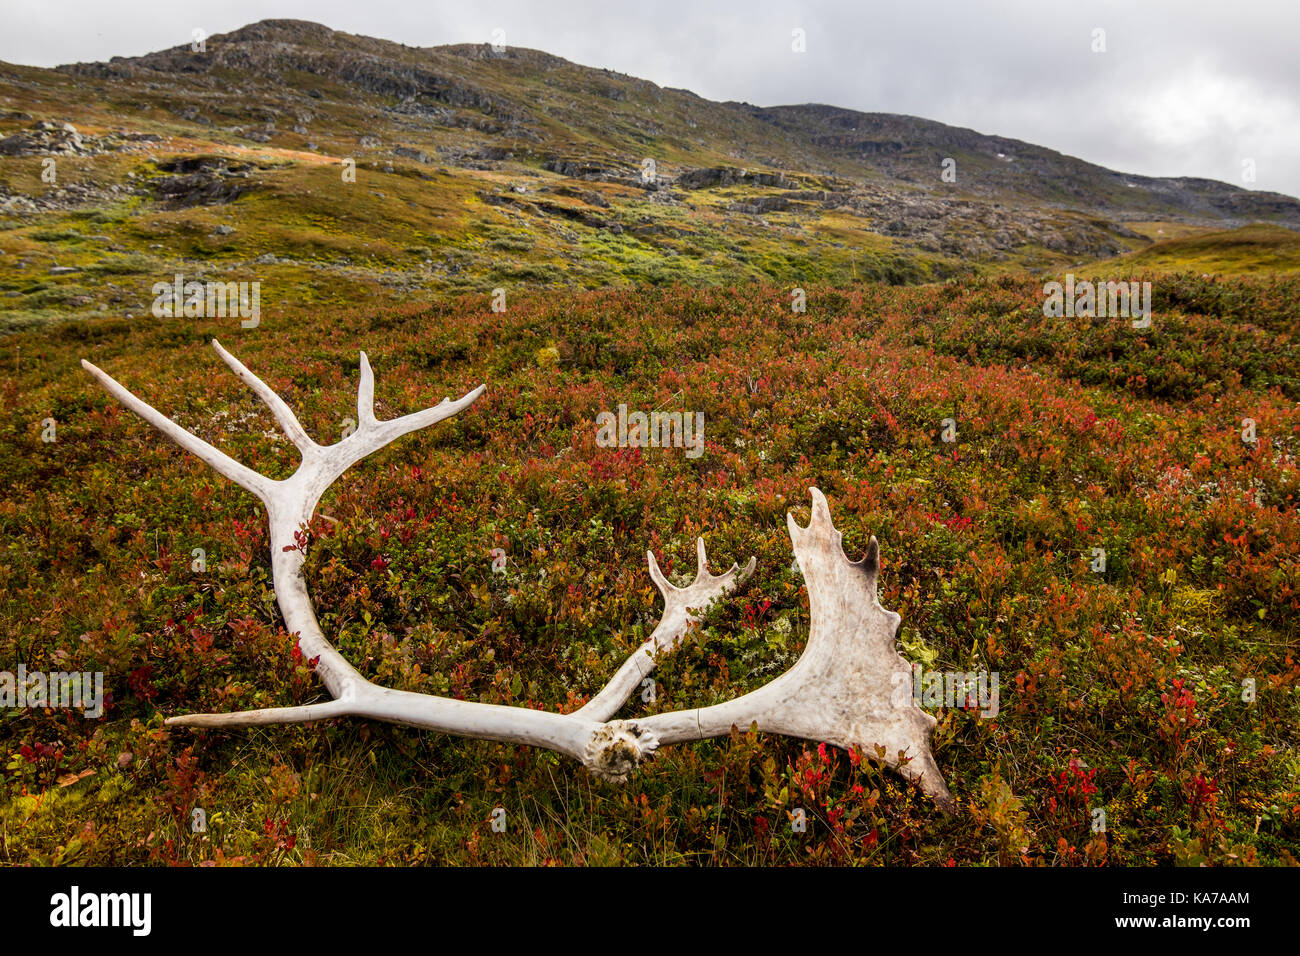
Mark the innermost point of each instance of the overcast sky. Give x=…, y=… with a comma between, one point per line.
x=1184, y=87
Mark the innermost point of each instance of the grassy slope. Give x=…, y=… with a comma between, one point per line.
x=1257, y=248
x=426, y=228
x=409, y=233
x=423, y=227
x=1120, y=690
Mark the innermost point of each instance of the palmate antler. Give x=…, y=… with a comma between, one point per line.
x=841, y=690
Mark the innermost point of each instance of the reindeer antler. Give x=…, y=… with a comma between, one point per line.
x=844, y=689
x=840, y=689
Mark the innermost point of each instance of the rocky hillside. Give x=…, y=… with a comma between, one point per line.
x=539, y=102
x=478, y=168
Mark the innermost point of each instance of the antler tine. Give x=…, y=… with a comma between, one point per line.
x=396, y=427
x=241, y=475
x=289, y=423
x=372, y=434
x=366, y=395
x=702, y=567
x=679, y=603
x=702, y=575
x=270, y=715
x=657, y=576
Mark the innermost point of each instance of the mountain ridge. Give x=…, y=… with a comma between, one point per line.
x=900, y=132
x=474, y=169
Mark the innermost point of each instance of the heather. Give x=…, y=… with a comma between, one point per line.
x=1161, y=690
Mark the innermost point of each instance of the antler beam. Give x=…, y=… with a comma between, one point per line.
x=844, y=687
x=840, y=690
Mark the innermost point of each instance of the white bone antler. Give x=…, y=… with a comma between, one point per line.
x=844, y=689
x=677, y=619
x=839, y=691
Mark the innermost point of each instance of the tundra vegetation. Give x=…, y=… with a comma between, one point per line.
x=1103, y=516
x=1125, y=690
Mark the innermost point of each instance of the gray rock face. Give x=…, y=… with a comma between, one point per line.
x=409, y=152
x=729, y=176
x=46, y=139
x=589, y=196
x=201, y=181
x=761, y=205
